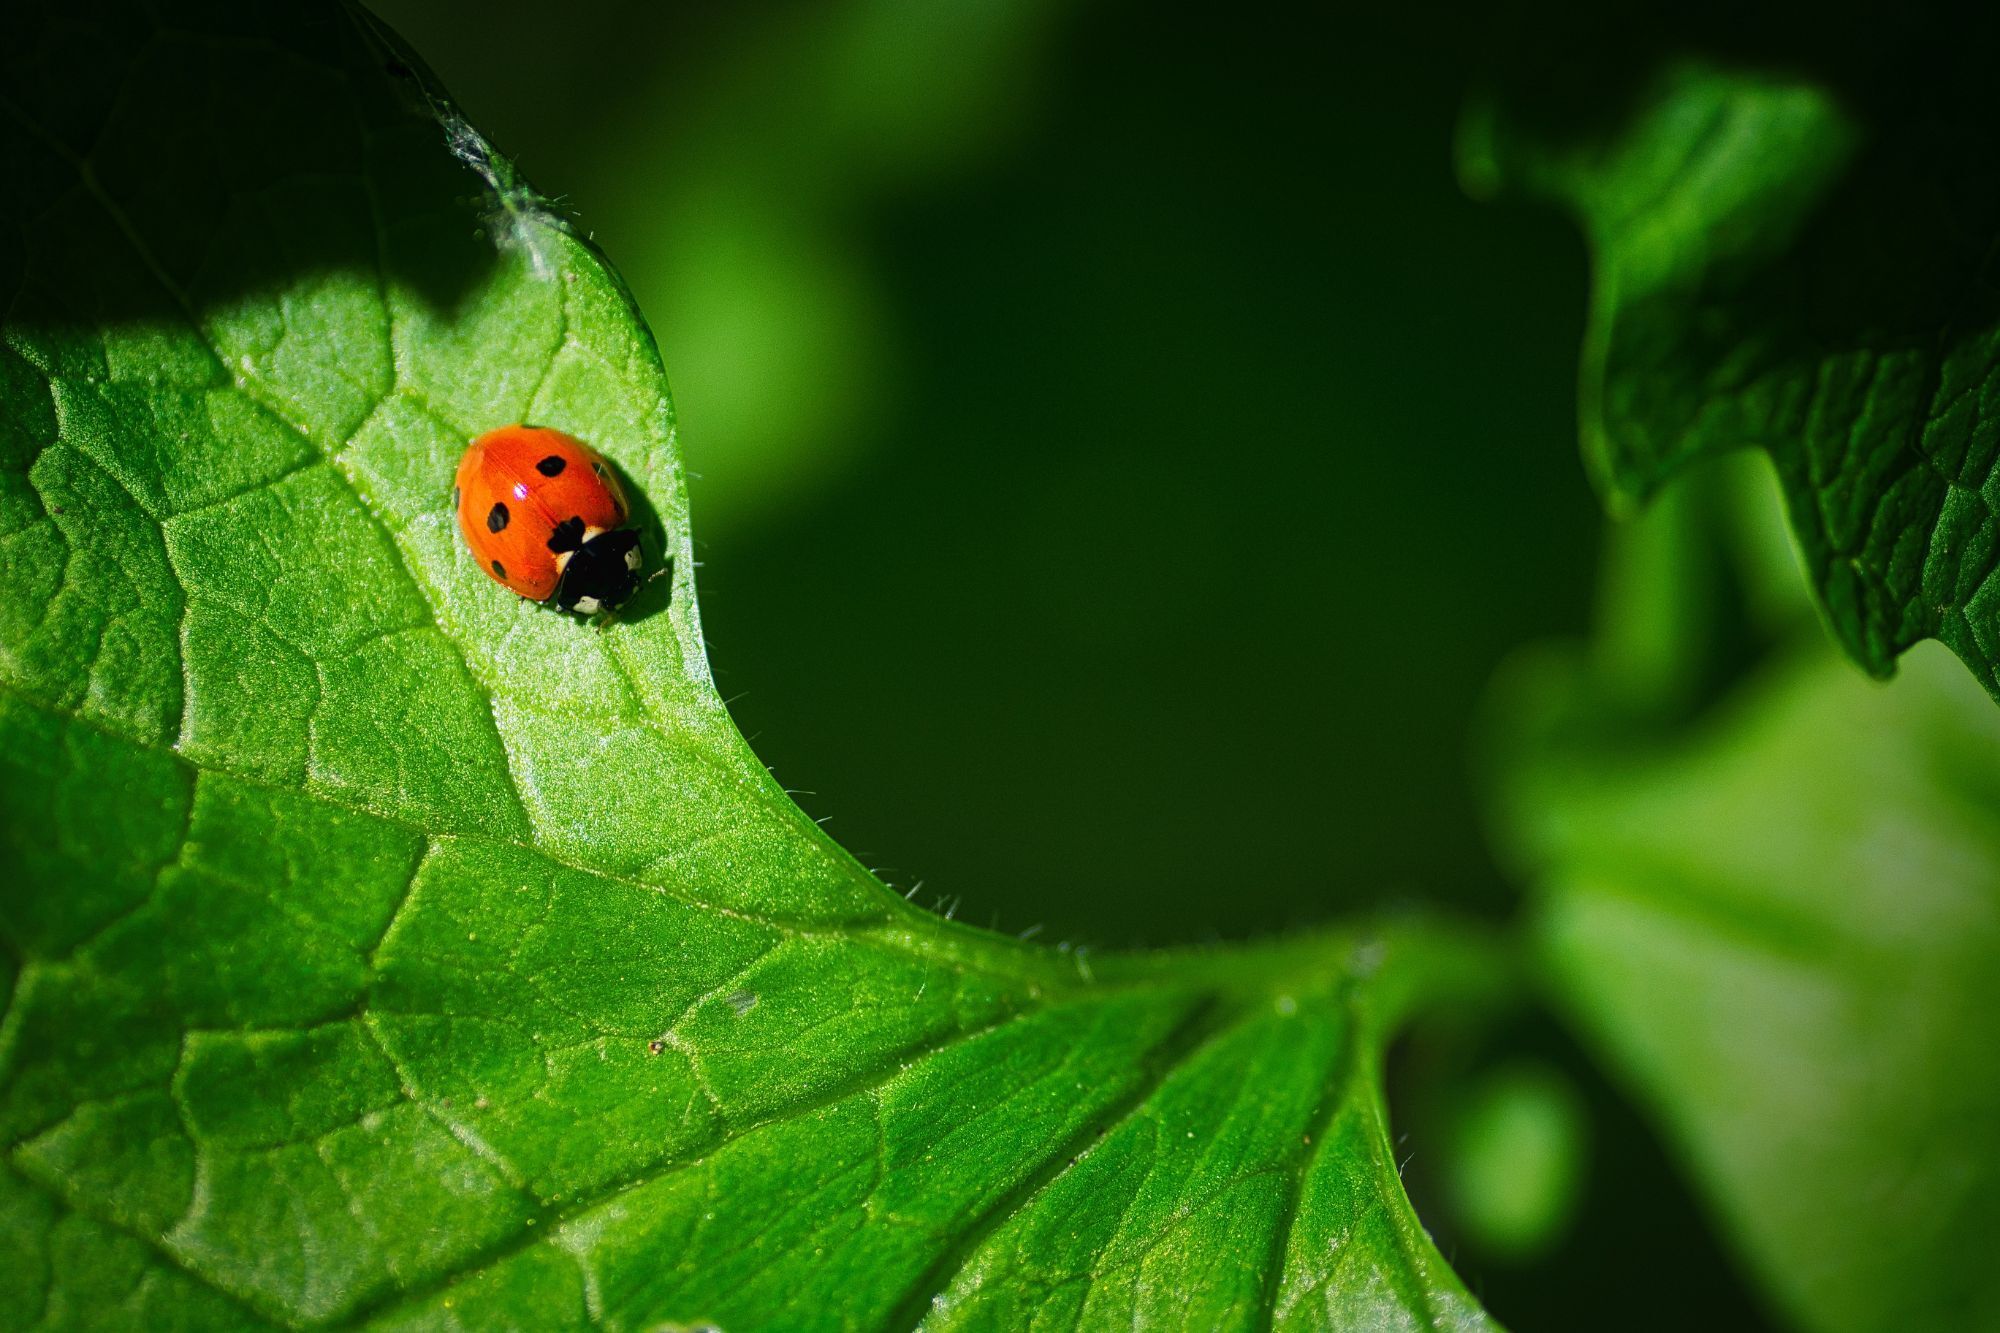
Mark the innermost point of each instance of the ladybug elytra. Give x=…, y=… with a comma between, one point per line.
x=545, y=516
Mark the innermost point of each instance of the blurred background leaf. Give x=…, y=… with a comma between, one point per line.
x=1767, y=890
x=1776, y=912
x=1793, y=227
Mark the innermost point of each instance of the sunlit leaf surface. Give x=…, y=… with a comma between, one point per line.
x=1781, y=924
x=382, y=948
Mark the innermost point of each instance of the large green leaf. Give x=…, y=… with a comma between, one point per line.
x=1782, y=925
x=382, y=948
x=1793, y=249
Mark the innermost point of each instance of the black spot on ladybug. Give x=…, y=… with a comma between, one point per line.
x=496, y=518
x=499, y=570
x=568, y=535
x=551, y=466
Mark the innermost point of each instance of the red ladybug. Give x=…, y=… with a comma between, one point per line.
x=544, y=515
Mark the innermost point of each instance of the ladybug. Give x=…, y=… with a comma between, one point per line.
x=544, y=516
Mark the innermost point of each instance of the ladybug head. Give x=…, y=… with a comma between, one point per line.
x=600, y=573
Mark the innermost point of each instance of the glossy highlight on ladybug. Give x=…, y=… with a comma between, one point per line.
x=545, y=516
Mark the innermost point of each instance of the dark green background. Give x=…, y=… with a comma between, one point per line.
x=1122, y=458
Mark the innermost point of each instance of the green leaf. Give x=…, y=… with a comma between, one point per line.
x=380, y=948
x=1782, y=927
x=1796, y=254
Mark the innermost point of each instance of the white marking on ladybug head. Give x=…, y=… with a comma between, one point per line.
x=632, y=559
x=589, y=606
